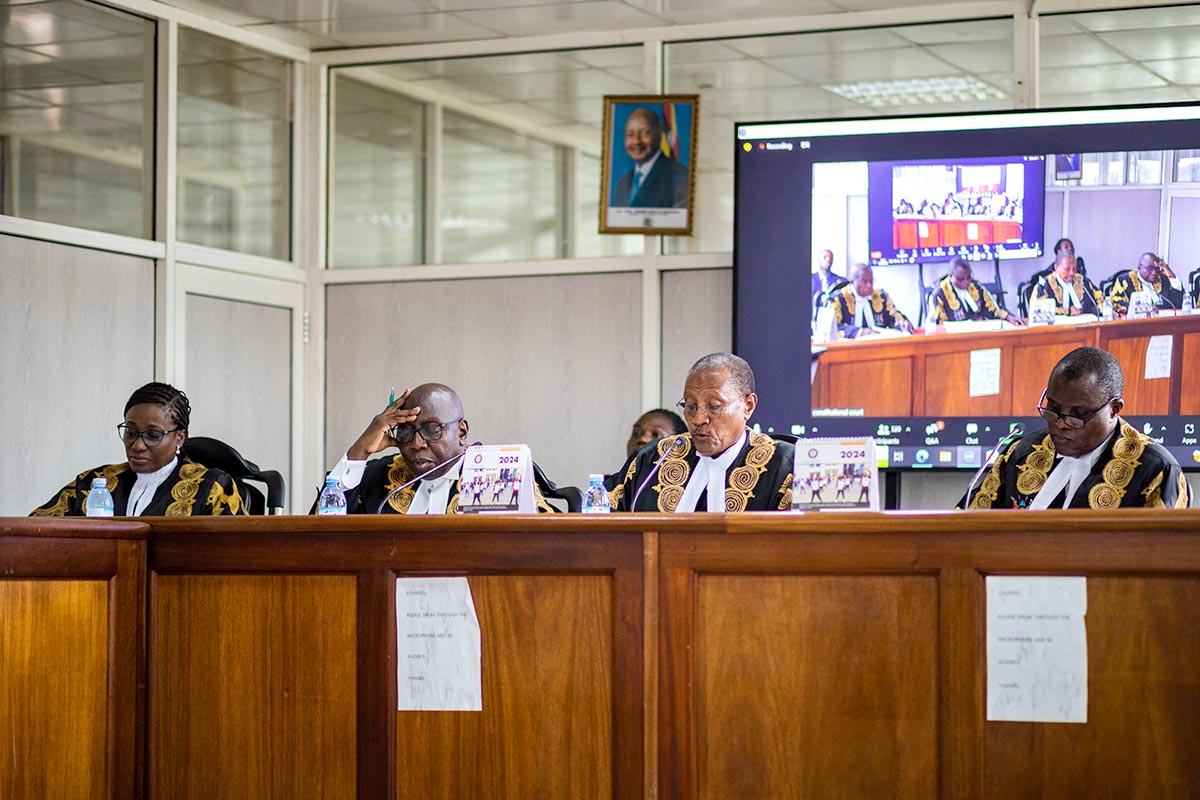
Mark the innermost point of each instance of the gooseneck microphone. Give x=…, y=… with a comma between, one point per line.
x=1017, y=430
x=429, y=471
x=680, y=439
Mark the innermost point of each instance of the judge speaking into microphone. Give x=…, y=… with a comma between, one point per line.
x=720, y=464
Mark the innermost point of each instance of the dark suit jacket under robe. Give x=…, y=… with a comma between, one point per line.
x=666, y=186
x=1133, y=471
x=190, y=490
x=382, y=475
x=760, y=478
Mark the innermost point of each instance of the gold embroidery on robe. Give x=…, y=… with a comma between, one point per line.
x=60, y=507
x=1181, y=498
x=1117, y=474
x=217, y=499
x=399, y=474
x=673, y=475
x=1033, y=473
x=785, y=489
x=185, y=491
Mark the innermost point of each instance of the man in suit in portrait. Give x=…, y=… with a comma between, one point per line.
x=656, y=180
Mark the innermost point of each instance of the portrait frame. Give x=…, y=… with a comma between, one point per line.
x=660, y=200
x=1068, y=166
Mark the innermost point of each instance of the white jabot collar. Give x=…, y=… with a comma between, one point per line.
x=710, y=475
x=431, y=496
x=145, y=486
x=1070, y=471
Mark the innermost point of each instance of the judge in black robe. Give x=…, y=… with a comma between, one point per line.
x=384, y=475
x=154, y=432
x=190, y=490
x=1133, y=471
x=753, y=470
x=760, y=478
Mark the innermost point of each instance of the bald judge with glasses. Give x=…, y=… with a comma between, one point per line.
x=428, y=425
x=720, y=464
x=1087, y=456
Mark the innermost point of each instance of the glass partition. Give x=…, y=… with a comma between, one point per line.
x=234, y=147
x=76, y=129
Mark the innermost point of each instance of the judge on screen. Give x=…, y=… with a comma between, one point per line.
x=719, y=464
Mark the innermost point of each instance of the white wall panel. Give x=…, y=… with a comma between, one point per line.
x=697, y=319
x=76, y=338
x=238, y=377
x=551, y=361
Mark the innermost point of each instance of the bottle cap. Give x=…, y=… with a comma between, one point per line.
x=100, y=482
x=596, y=477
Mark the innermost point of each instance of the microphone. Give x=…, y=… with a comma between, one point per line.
x=1005, y=440
x=429, y=471
x=680, y=439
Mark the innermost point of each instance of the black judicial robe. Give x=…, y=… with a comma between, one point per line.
x=760, y=478
x=190, y=490
x=1129, y=282
x=382, y=475
x=1132, y=472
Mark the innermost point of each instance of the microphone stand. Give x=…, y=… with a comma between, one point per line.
x=680, y=439
x=429, y=471
x=1015, y=433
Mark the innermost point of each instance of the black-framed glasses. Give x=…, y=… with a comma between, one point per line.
x=690, y=410
x=430, y=432
x=1073, y=421
x=150, y=438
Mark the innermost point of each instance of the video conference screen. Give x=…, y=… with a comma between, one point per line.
x=893, y=200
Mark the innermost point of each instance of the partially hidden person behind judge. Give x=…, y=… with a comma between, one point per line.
x=1087, y=456
x=1153, y=275
x=1072, y=292
x=157, y=478
x=860, y=309
x=656, y=180
x=958, y=296
x=429, y=427
x=719, y=464
x=654, y=424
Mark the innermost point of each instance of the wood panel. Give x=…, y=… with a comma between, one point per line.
x=253, y=686
x=546, y=725
x=885, y=387
x=1143, y=703
x=53, y=709
x=816, y=686
x=939, y=368
x=947, y=386
x=1189, y=402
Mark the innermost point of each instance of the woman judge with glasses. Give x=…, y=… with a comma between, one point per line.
x=1087, y=456
x=428, y=425
x=157, y=478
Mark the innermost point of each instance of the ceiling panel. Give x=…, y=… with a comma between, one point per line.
x=593, y=15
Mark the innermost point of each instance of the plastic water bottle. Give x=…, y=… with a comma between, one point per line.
x=99, y=500
x=595, y=499
x=333, y=499
x=1188, y=307
x=1106, y=312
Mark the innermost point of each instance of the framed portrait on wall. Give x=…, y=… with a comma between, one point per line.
x=1068, y=166
x=648, y=172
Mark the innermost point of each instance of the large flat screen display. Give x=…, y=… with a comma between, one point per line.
x=896, y=199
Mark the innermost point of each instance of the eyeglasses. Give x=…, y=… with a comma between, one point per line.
x=430, y=432
x=689, y=410
x=1073, y=421
x=151, y=438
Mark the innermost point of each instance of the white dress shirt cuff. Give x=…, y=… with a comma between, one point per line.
x=349, y=473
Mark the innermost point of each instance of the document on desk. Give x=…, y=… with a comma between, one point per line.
x=438, y=651
x=984, y=379
x=1158, y=356
x=1036, y=649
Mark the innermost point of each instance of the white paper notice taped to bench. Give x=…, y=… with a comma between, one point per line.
x=438, y=654
x=1036, y=649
